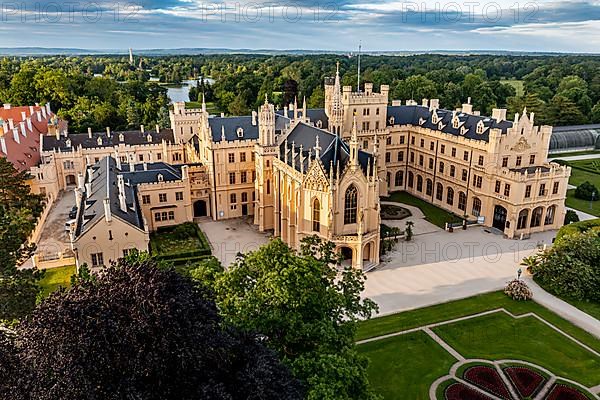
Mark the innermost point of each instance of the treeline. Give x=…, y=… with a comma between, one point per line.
x=560, y=90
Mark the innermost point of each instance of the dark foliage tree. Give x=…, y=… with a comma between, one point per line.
x=571, y=216
x=587, y=191
x=139, y=332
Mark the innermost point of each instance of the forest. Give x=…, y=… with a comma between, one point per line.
x=101, y=91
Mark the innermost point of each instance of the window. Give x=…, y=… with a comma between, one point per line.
x=376, y=124
x=439, y=192
x=431, y=146
x=159, y=156
x=157, y=217
x=462, y=201
x=162, y=197
x=316, y=216
x=399, y=179
x=480, y=161
x=542, y=191
x=268, y=186
x=388, y=140
x=400, y=156
x=505, y=162
x=477, y=181
x=465, y=175
x=97, y=259
x=146, y=199
x=421, y=160
x=231, y=157
x=497, y=187
x=171, y=215
x=527, y=191
x=68, y=165
x=412, y=157
x=452, y=171
x=411, y=179
x=243, y=177
x=550, y=211
x=253, y=175
x=555, y=188
x=244, y=197
x=431, y=163
x=450, y=196
x=518, y=162
x=442, y=148
x=454, y=152
x=466, y=156
x=377, y=111
x=243, y=156
x=422, y=142
x=532, y=159
x=365, y=144
x=419, y=183
x=232, y=198
x=178, y=196
x=126, y=252
x=412, y=140
x=402, y=139
x=232, y=178
x=506, y=189
x=252, y=156
x=429, y=187
x=441, y=167
x=387, y=157
x=476, y=207
x=268, y=163
x=350, y=205
x=536, y=217
x=522, y=219
x=141, y=157
x=176, y=156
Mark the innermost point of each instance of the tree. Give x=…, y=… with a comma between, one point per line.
x=139, y=332
x=571, y=216
x=317, y=98
x=562, y=111
x=408, y=232
x=595, y=117
x=19, y=210
x=305, y=310
x=587, y=191
x=416, y=87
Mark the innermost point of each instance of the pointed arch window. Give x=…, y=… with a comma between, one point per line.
x=350, y=205
x=316, y=216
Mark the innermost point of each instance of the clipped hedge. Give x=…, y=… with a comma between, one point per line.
x=578, y=227
x=183, y=231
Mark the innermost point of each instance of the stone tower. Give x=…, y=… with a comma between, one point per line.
x=333, y=104
x=265, y=153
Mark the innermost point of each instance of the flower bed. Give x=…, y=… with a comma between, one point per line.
x=563, y=392
x=526, y=381
x=389, y=211
x=460, y=391
x=489, y=379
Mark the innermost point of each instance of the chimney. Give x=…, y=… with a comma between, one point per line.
x=499, y=114
x=5, y=127
x=411, y=103
x=29, y=124
x=434, y=104
x=108, y=131
x=90, y=171
x=16, y=135
x=184, y=172
x=467, y=108
x=6, y=106
x=80, y=181
x=23, y=130
x=31, y=111
x=11, y=123
x=48, y=110
x=89, y=133
x=425, y=103
x=145, y=166
x=157, y=128
x=23, y=115
x=3, y=145
x=368, y=88
x=222, y=115
x=88, y=188
x=107, y=213
x=78, y=197
x=285, y=111
x=253, y=118
x=57, y=133
x=122, y=201
x=131, y=166
x=43, y=110
x=142, y=128
x=38, y=113
x=396, y=103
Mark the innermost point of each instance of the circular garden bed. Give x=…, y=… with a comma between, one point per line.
x=479, y=381
x=390, y=211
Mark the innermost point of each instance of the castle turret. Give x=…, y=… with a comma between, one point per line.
x=266, y=124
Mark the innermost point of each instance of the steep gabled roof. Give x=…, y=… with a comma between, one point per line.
x=230, y=126
x=74, y=140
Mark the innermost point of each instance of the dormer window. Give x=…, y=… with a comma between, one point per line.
x=391, y=120
x=434, y=118
x=160, y=177
x=149, y=138
x=319, y=124
x=463, y=130
x=68, y=142
x=240, y=132
x=99, y=141
x=121, y=137
x=480, y=127
x=455, y=122
x=441, y=126
x=421, y=121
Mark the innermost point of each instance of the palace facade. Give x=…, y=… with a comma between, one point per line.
x=301, y=171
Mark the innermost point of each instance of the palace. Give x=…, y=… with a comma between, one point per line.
x=301, y=172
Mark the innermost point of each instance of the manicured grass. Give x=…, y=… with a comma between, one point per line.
x=406, y=364
x=459, y=308
x=500, y=336
x=433, y=214
x=582, y=205
x=582, y=171
x=516, y=83
x=167, y=243
x=57, y=277
x=588, y=307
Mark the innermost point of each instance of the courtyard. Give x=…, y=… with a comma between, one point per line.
x=418, y=354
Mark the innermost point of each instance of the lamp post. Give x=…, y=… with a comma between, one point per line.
x=592, y=199
x=519, y=272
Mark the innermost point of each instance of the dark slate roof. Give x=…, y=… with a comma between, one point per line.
x=530, y=170
x=333, y=149
x=104, y=185
x=572, y=128
x=412, y=115
x=231, y=125
x=74, y=140
x=314, y=114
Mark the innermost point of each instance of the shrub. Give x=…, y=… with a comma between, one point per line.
x=570, y=217
x=518, y=290
x=587, y=191
x=185, y=230
x=578, y=227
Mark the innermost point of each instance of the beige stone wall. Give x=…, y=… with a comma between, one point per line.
x=176, y=205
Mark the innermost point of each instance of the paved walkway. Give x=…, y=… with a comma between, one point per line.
x=575, y=158
x=583, y=216
x=422, y=226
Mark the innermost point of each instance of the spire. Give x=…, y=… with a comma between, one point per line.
x=266, y=99
x=317, y=148
x=354, y=145
x=295, y=108
x=203, y=103
x=304, y=117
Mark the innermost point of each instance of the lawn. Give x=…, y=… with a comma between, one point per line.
x=405, y=366
x=515, y=83
x=399, y=362
x=588, y=307
x=55, y=278
x=581, y=171
x=433, y=214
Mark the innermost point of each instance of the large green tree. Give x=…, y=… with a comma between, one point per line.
x=305, y=306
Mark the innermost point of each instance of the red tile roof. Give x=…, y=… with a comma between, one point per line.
x=28, y=122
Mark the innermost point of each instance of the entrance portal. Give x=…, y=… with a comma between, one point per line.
x=499, y=218
x=200, y=208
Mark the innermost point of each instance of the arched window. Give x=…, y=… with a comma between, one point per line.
x=476, y=207
x=429, y=187
x=549, y=220
x=439, y=192
x=522, y=220
x=316, y=216
x=419, y=183
x=411, y=179
x=399, y=178
x=268, y=186
x=536, y=217
x=462, y=201
x=350, y=205
x=450, y=196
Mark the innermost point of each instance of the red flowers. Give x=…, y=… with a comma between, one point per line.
x=526, y=381
x=488, y=379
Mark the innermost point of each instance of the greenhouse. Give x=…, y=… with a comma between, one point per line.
x=571, y=138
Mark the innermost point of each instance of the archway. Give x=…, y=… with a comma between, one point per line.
x=200, y=208
x=70, y=179
x=347, y=254
x=499, y=217
x=522, y=220
x=367, y=252
x=536, y=217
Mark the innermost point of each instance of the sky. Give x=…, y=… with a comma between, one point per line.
x=380, y=25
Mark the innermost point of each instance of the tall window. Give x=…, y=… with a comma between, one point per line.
x=550, y=211
x=476, y=207
x=350, y=205
x=316, y=216
x=439, y=192
x=450, y=196
x=419, y=183
x=399, y=178
x=411, y=179
x=429, y=187
x=462, y=201
x=522, y=220
x=536, y=217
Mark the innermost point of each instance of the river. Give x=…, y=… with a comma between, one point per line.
x=182, y=93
